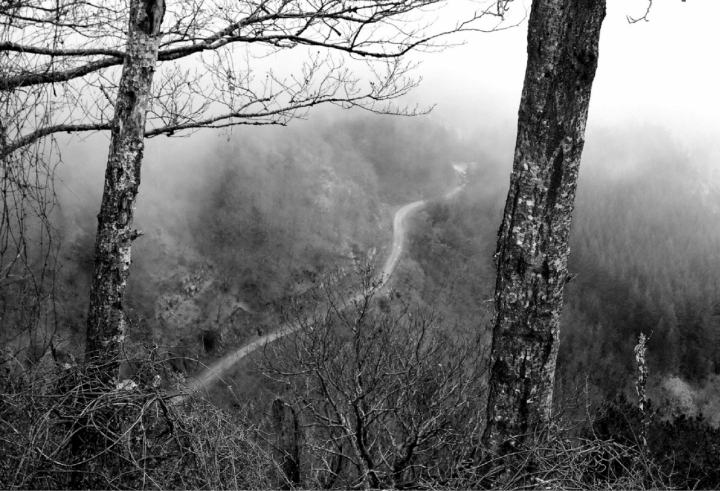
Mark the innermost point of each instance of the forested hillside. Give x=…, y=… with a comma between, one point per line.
x=646, y=251
x=645, y=258
x=249, y=219
x=240, y=232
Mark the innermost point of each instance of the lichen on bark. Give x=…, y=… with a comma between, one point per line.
x=532, y=251
x=107, y=322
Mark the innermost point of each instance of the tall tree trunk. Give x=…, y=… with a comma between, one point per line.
x=107, y=322
x=532, y=249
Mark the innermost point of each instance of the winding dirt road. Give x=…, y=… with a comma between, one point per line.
x=216, y=370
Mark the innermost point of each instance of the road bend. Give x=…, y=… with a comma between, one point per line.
x=215, y=371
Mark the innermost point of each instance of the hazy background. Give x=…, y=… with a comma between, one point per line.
x=235, y=222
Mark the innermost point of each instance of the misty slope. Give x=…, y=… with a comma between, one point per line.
x=240, y=223
x=645, y=248
x=234, y=226
x=450, y=265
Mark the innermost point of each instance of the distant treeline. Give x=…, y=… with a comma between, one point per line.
x=645, y=257
x=646, y=251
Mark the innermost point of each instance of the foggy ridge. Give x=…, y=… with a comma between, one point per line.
x=216, y=370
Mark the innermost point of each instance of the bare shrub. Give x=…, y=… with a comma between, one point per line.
x=50, y=420
x=558, y=460
x=385, y=395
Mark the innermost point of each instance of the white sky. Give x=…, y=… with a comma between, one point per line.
x=664, y=72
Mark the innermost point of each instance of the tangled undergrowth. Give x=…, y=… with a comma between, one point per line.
x=684, y=450
x=50, y=423
x=363, y=398
x=61, y=428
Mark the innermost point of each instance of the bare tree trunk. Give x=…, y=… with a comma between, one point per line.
x=287, y=442
x=107, y=322
x=532, y=249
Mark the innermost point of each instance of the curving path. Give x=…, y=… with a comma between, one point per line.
x=215, y=371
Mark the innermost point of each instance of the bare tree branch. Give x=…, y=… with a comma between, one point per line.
x=38, y=50
x=49, y=130
x=74, y=49
x=633, y=20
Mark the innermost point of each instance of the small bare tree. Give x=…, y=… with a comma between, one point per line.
x=28, y=242
x=386, y=396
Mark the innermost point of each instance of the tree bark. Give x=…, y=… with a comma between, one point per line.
x=287, y=443
x=107, y=322
x=532, y=251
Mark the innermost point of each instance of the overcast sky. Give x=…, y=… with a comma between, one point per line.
x=664, y=72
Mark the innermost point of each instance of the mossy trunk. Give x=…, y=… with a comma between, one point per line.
x=532, y=251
